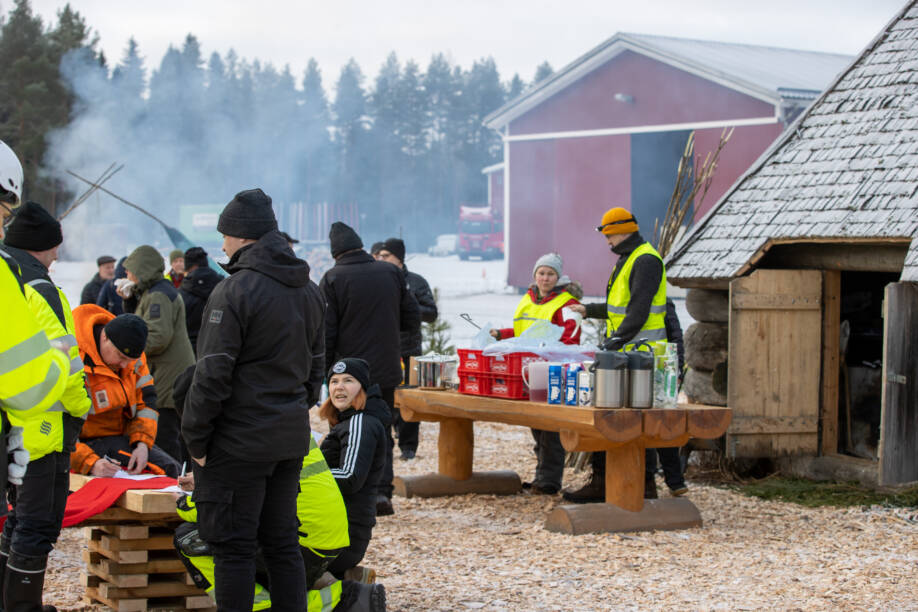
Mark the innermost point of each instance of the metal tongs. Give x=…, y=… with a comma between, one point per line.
x=468, y=318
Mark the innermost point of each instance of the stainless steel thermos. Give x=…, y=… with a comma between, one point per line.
x=610, y=370
x=640, y=379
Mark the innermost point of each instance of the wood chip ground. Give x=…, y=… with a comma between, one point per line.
x=481, y=552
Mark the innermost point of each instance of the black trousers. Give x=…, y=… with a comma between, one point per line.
x=669, y=457
x=385, y=483
x=38, y=503
x=406, y=431
x=550, y=458
x=247, y=505
x=350, y=556
x=169, y=435
x=110, y=445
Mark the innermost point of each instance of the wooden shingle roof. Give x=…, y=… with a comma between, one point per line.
x=846, y=170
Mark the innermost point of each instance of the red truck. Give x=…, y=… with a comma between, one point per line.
x=481, y=234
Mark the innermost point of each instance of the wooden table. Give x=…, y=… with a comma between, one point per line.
x=623, y=434
x=131, y=562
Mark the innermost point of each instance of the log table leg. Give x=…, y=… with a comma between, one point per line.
x=456, y=448
x=625, y=476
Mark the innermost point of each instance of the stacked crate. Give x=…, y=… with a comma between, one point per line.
x=135, y=567
x=493, y=375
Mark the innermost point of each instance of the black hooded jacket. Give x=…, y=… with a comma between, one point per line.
x=195, y=289
x=355, y=450
x=368, y=305
x=411, y=342
x=260, y=357
x=91, y=290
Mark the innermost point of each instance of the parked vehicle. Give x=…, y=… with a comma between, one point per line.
x=445, y=246
x=481, y=234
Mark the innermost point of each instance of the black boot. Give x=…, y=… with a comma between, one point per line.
x=357, y=597
x=592, y=492
x=23, y=583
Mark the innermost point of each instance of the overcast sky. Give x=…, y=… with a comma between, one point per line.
x=519, y=34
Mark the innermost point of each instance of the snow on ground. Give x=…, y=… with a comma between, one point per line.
x=475, y=287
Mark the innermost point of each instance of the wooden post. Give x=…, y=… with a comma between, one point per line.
x=456, y=447
x=831, y=322
x=625, y=476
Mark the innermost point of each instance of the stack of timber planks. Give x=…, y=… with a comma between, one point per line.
x=132, y=568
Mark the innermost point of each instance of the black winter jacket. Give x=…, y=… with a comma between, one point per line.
x=355, y=450
x=91, y=290
x=643, y=284
x=196, y=288
x=411, y=343
x=260, y=357
x=368, y=305
x=108, y=297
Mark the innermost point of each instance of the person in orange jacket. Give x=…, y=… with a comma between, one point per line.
x=121, y=426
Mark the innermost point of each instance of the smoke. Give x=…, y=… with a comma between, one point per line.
x=195, y=136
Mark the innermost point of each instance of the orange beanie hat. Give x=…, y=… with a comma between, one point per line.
x=618, y=221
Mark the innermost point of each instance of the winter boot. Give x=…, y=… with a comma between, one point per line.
x=23, y=583
x=592, y=492
x=361, y=574
x=357, y=597
x=384, y=506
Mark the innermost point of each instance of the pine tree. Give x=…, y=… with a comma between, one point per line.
x=515, y=87
x=436, y=334
x=543, y=71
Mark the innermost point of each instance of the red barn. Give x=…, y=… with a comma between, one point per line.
x=608, y=130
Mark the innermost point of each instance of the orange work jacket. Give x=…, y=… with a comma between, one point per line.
x=123, y=403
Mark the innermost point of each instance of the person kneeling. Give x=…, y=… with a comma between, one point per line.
x=355, y=449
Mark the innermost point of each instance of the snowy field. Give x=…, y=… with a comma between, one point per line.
x=477, y=288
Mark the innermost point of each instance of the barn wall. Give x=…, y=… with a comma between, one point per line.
x=662, y=94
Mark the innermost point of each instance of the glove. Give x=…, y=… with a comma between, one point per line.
x=72, y=427
x=19, y=456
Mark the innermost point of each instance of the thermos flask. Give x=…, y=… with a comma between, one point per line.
x=610, y=370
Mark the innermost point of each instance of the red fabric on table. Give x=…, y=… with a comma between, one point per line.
x=100, y=493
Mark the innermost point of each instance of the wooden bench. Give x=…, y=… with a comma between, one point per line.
x=622, y=434
x=131, y=564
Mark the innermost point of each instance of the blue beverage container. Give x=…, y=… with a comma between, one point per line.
x=555, y=383
x=570, y=384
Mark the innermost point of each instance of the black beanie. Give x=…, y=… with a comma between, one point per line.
x=195, y=256
x=396, y=246
x=343, y=239
x=358, y=368
x=33, y=229
x=248, y=215
x=377, y=247
x=128, y=333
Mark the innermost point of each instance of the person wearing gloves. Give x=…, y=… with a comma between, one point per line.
x=246, y=418
x=123, y=421
x=393, y=251
x=634, y=310
x=355, y=450
x=34, y=525
x=549, y=299
x=168, y=349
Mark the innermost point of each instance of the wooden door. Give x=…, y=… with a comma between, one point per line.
x=774, y=363
x=899, y=415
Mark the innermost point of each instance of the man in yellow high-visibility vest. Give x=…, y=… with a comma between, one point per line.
x=634, y=310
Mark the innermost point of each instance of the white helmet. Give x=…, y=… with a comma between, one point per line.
x=10, y=172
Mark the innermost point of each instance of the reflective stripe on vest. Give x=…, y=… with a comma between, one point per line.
x=24, y=352
x=654, y=328
x=34, y=395
x=143, y=380
x=148, y=413
x=528, y=312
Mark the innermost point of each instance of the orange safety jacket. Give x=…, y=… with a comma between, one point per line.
x=123, y=403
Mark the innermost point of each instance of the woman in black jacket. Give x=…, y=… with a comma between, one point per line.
x=355, y=450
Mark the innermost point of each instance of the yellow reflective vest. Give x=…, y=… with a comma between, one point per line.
x=528, y=312
x=319, y=505
x=44, y=433
x=654, y=328
x=33, y=375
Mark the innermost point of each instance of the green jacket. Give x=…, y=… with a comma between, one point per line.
x=157, y=302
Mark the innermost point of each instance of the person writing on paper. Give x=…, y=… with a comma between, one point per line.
x=551, y=297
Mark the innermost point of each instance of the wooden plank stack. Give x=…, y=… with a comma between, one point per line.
x=133, y=568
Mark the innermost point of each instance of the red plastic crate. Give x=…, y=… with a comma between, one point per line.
x=508, y=387
x=471, y=360
x=474, y=384
x=510, y=364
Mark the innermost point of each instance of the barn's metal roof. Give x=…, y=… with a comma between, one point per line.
x=847, y=170
x=768, y=73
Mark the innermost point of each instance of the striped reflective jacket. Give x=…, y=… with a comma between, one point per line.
x=123, y=403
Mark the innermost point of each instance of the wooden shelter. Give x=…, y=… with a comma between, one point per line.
x=816, y=249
